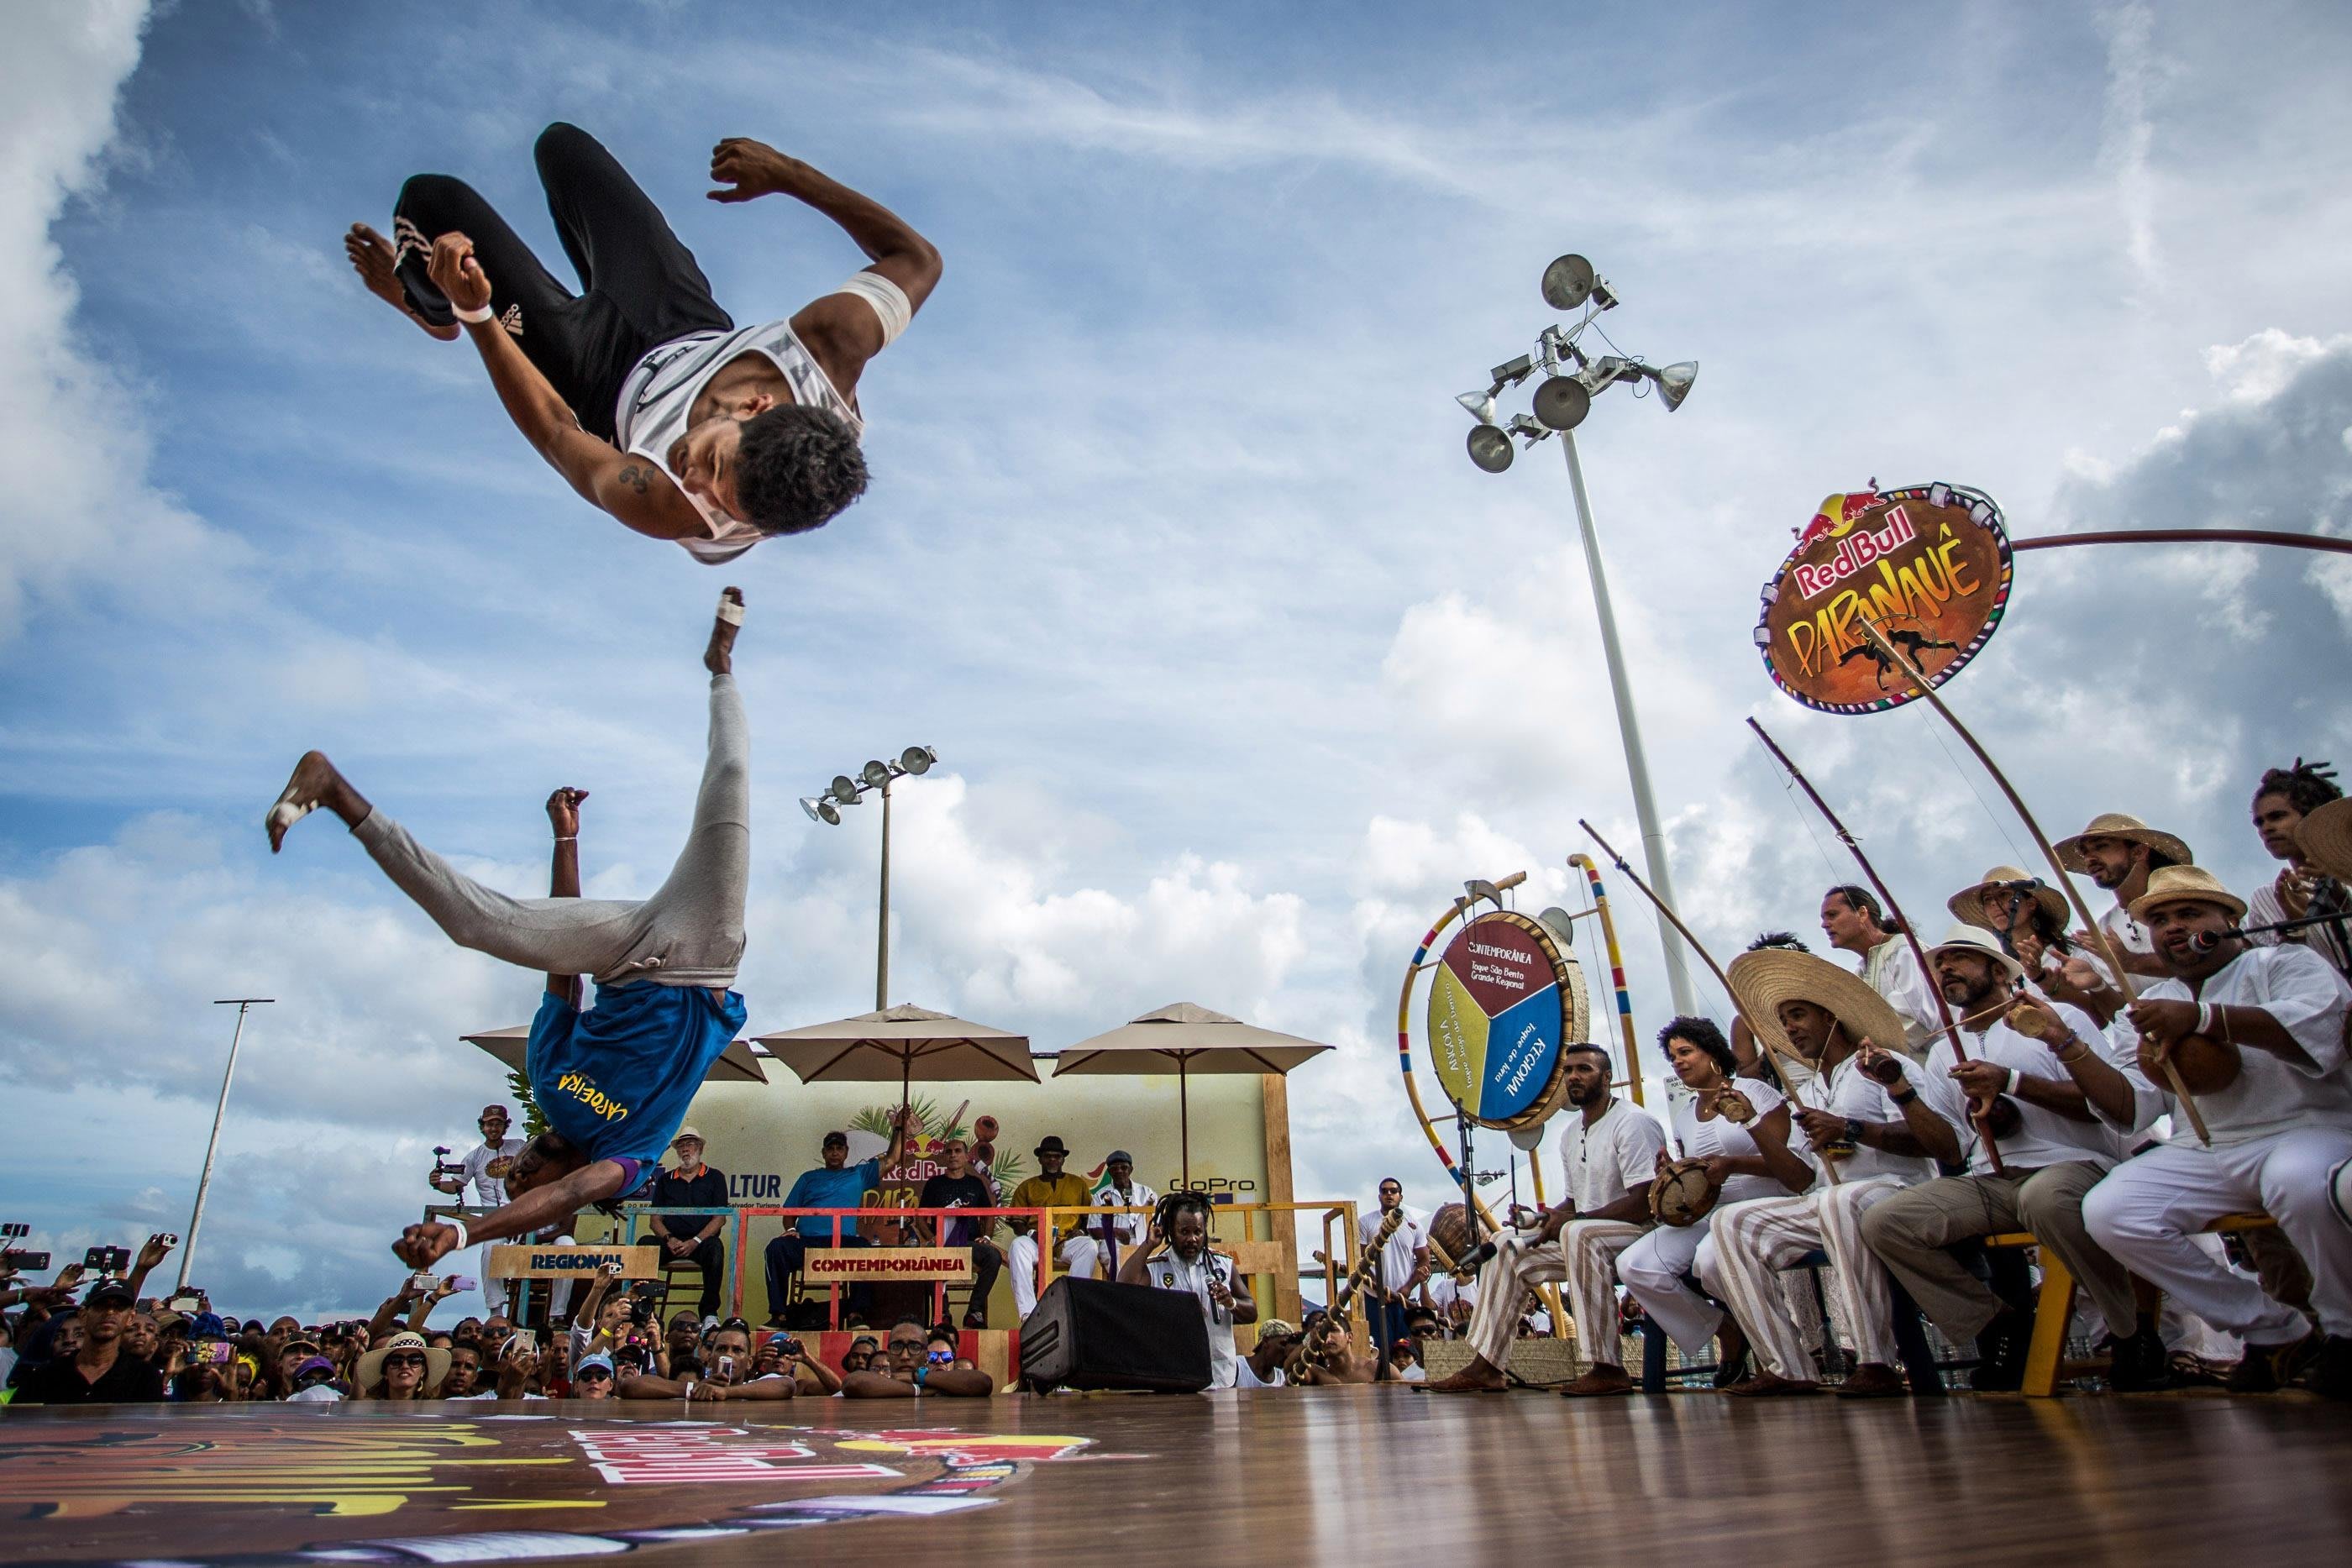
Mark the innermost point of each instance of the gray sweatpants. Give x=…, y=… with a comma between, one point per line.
x=689, y=933
x=1911, y=1230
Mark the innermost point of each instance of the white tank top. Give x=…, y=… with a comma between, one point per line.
x=659, y=392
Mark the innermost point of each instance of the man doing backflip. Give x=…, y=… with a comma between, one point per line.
x=639, y=389
x=613, y=1080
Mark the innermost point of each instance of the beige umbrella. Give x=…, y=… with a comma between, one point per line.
x=739, y=1061
x=1190, y=1039
x=904, y=1043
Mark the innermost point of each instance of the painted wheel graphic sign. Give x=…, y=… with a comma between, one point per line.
x=1506, y=1003
x=1930, y=564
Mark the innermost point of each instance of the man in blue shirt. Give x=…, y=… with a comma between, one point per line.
x=613, y=1080
x=836, y=1184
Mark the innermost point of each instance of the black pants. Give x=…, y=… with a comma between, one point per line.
x=788, y=1252
x=639, y=285
x=710, y=1256
x=987, y=1262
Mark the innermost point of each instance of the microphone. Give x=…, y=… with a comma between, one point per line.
x=1470, y=1261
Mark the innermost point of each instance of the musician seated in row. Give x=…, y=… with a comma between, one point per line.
x=1609, y=1151
x=2037, y=1079
x=1178, y=1258
x=1738, y=1131
x=1872, y=1122
x=2271, y=1023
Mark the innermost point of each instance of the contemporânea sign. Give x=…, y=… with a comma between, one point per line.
x=1505, y=1004
x=1930, y=564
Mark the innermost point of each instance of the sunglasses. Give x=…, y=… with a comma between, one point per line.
x=594, y=1374
x=404, y=1358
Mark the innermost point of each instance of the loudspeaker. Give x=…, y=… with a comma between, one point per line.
x=1098, y=1334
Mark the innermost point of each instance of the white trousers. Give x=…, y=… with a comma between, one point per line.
x=1584, y=1259
x=498, y=1296
x=1755, y=1240
x=1653, y=1271
x=2149, y=1207
x=1021, y=1267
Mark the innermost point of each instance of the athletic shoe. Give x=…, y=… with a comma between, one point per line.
x=2267, y=1368
x=2330, y=1371
x=2002, y=1348
x=2137, y=1363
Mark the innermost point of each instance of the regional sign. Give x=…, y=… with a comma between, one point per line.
x=1503, y=1006
x=1929, y=564
x=569, y=1260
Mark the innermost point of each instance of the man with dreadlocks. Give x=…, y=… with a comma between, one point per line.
x=2282, y=801
x=1178, y=1258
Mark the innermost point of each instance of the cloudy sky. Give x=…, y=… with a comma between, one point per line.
x=1235, y=665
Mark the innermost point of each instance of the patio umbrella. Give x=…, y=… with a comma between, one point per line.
x=904, y=1043
x=1188, y=1038
x=739, y=1061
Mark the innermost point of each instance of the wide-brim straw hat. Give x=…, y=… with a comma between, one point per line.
x=1969, y=938
x=1967, y=904
x=2120, y=825
x=2326, y=837
x=2183, y=885
x=370, y=1371
x=1768, y=976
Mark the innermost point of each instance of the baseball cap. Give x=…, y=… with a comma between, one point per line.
x=836, y=1139
x=311, y=1365
x=207, y=1325
x=115, y=1294
x=598, y=1360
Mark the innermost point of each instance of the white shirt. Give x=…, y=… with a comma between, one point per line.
x=1608, y=1159
x=1396, y=1257
x=2302, y=991
x=1894, y=974
x=1170, y=1272
x=1245, y=1376
x=1444, y=1289
x=2044, y=1137
x=1851, y=1092
x=1713, y=1137
x=490, y=1191
x=1131, y=1229
x=2266, y=908
x=657, y=399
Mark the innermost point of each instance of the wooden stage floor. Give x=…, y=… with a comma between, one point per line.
x=1358, y=1475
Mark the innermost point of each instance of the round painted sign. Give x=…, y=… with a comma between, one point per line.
x=1505, y=1004
x=1929, y=564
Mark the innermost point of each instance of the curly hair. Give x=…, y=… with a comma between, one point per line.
x=2307, y=786
x=1788, y=940
x=797, y=466
x=1702, y=1033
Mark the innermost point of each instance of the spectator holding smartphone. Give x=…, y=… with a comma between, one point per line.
x=728, y=1374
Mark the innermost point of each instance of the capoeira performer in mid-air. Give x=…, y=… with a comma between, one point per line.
x=640, y=389
x=613, y=1080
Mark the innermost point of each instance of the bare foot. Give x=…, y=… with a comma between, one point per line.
x=1481, y=1376
x=314, y=783
x=719, y=658
x=371, y=256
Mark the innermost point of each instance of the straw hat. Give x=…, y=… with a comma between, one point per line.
x=370, y=1372
x=2182, y=883
x=2326, y=837
x=1968, y=905
x=1966, y=938
x=2117, y=825
x=1765, y=978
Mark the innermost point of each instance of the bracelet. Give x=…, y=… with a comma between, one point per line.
x=464, y=1238
x=567, y=838
x=1905, y=1096
x=690, y=1386
x=2081, y=1050
x=472, y=318
x=2205, y=1024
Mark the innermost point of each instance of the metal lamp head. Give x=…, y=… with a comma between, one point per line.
x=1481, y=405
x=844, y=790
x=1568, y=282
x=1674, y=381
x=1562, y=403
x=1490, y=447
x=809, y=804
x=916, y=759
x=821, y=808
x=876, y=774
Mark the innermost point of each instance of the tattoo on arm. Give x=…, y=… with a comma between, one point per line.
x=636, y=477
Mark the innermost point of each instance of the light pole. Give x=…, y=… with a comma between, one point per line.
x=195, y=1221
x=1561, y=401
x=845, y=790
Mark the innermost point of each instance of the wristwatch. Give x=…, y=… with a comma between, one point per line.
x=1903, y=1095
x=1852, y=1130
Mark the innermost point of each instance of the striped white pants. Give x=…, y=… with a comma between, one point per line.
x=1584, y=1259
x=1755, y=1240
